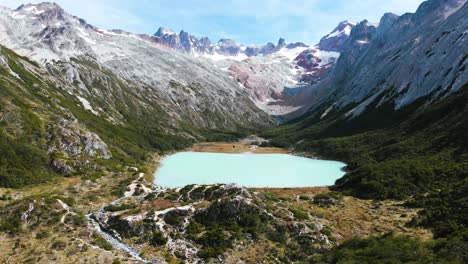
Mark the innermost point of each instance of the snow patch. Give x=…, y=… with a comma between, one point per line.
x=166, y=31
x=17, y=15
x=220, y=57
x=449, y=10
x=14, y=74
x=327, y=57
x=326, y=112
x=34, y=10
x=87, y=105
x=362, y=41
x=291, y=54
x=84, y=35
x=336, y=33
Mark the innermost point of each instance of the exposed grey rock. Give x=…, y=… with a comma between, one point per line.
x=245, y=217
x=337, y=39
x=61, y=166
x=68, y=138
x=412, y=56
x=386, y=22
x=125, y=64
x=296, y=45
x=228, y=47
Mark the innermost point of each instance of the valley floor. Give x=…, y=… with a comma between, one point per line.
x=52, y=232
x=234, y=147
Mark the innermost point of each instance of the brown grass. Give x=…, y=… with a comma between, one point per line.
x=233, y=147
x=355, y=217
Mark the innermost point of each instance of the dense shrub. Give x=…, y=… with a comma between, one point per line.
x=214, y=242
x=391, y=248
x=328, y=199
x=385, y=249
x=299, y=214
x=157, y=239
x=99, y=241
x=422, y=153
x=119, y=207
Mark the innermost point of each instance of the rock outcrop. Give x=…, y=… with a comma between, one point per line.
x=213, y=221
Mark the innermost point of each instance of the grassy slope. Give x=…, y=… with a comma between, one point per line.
x=32, y=102
x=418, y=154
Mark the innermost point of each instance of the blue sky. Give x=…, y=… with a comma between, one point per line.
x=246, y=21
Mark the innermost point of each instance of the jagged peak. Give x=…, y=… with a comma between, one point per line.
x=183, y=32
x=40, y=7
x=344, y=26
x=296, y=45
x=162, y=31
x=281, y=42
x=387, y=20
x=347, y=22
x=366, y=23
x=389, y=15
x=438, y=8
x=335, y=40
x=227, y=42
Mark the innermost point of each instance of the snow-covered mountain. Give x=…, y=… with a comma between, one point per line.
x=233, y=80
x=272, y=74
x=337, y=38
x=404, y=59
x=269, y=75
x=224, y=48
x=98, y=63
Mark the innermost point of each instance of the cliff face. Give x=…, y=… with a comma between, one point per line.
x=399, y=61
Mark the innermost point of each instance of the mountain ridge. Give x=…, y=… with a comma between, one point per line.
x=269, y=86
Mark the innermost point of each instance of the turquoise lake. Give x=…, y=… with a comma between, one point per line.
x=247, y=169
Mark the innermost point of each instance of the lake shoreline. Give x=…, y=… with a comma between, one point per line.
x=241, y=147
x=224, y=163
x=235, y=147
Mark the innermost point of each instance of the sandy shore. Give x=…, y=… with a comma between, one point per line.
x=234, y=147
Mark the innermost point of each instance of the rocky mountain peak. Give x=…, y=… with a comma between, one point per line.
x=227, y=42
x=281, y=43
x=296, y=45
x=228, y=47
x=362, y=33
x=187, y=43
x=44, y=11
x=387, y=21
x=164, y=31
x=335, y=40
x=436, y=9
x=40, y=8
x=268, y=48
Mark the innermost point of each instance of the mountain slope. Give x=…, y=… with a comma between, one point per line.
x=46, y=130
x=230, y=76
x=401, y=60
x=397, y=114
x=273, y=75
x=96, y=62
